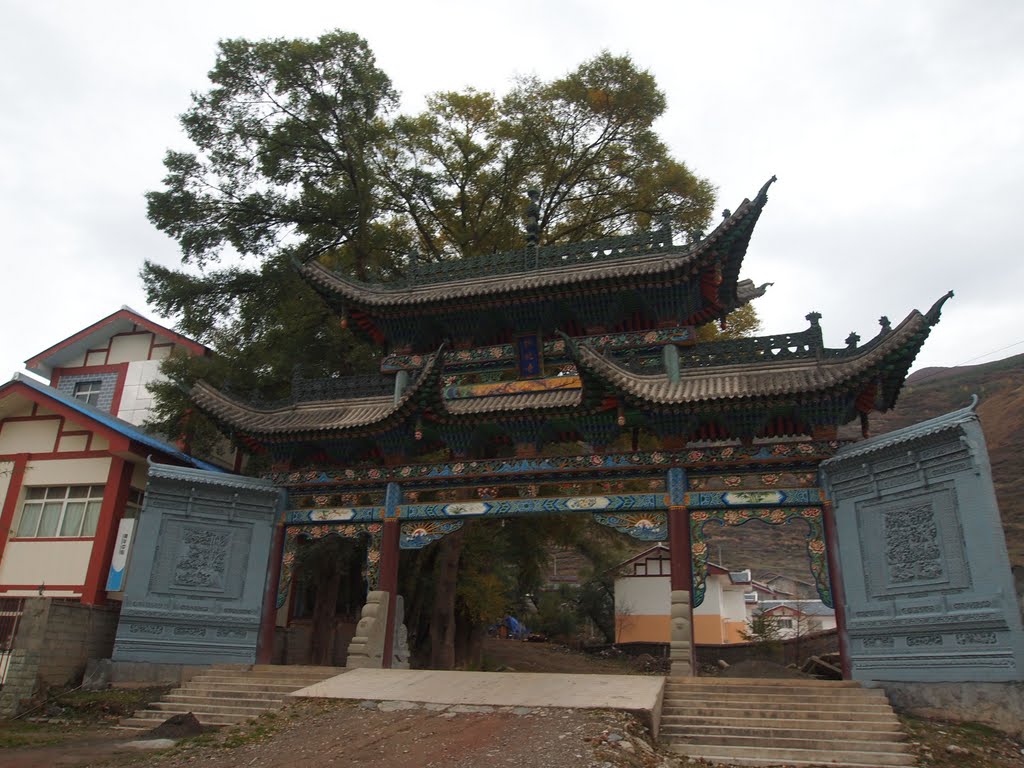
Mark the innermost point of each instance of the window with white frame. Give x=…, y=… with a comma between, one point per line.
x=88, y=391
x=68, y=511
x=784, y=623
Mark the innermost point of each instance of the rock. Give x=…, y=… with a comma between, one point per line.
x=722, y=664
x=954, y=749
x=468, y=709
x=97, y=675
x=177, y=727
x=614, y=737
x=368, y=704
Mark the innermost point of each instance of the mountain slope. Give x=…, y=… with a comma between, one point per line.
x=1000, y=387
x=927, y=393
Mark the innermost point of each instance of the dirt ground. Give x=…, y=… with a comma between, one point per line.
x=334, y=733
x=322, y=734
x=517, y=656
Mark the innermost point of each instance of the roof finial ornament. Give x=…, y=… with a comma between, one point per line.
x=884, y=322
x=813, y=318
x=533, y=218
x=932, y=315
x=852, y=339
x=663, y=221
x=726, y=213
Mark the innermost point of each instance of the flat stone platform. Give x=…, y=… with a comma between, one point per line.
x=640, y=695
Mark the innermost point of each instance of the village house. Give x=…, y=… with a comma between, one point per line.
x=73, y=463
x=642, y=600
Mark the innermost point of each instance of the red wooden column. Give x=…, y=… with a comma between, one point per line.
x=115, y=496
x=679, y=531
x=680, y=546
x=10, y=502
x=389, y=567
x=268, y=620
x=835, y=576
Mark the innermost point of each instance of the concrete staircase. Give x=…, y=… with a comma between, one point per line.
x=230, y=693
x=737, y=721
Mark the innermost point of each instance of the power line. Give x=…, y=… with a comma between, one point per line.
x=965, y=362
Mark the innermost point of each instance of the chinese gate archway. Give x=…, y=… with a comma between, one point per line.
x=570, y=366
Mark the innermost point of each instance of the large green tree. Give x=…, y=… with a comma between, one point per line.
x=299, y=153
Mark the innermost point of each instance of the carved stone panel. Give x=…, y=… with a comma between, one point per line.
x=912, y=543
x=201, y=557
x=924, y=565
x=195, y=583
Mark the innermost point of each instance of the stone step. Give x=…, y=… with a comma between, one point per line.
x=786, y=719
x=283, y=675
x=840, y=694
x=739, y=756
x=239, y=697
x=705, y=733
x=242, y=685
x=226, y=694
x=324, y=671
x=764, y=682
x=814, y=743
x=751, y=703
x=268, y=679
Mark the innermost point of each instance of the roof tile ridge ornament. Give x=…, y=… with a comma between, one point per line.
x=934, y=313
x=762, y=193
x=533, y=218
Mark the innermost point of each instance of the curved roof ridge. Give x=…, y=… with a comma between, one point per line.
x=346, y=415
x=749, y=379
x=675, y=258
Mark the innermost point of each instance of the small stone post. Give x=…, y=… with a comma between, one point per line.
x=681, y=648
x=367, y=647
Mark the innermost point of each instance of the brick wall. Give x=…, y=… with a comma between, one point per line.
x=53, y=644
x=108, y=384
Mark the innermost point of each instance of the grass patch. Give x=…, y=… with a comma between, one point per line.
x=112, y=703
x=15, y=733
x=255, y=732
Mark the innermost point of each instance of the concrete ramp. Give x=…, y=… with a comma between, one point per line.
x=630, y=693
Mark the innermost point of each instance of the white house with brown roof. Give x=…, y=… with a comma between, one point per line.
x=642, y=592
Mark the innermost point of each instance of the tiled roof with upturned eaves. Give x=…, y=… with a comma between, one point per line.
x=818, y=371
x=765, y=378
x=559, y=269
x=321, y=418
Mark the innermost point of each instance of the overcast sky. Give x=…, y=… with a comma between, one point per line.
x=896, y=131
